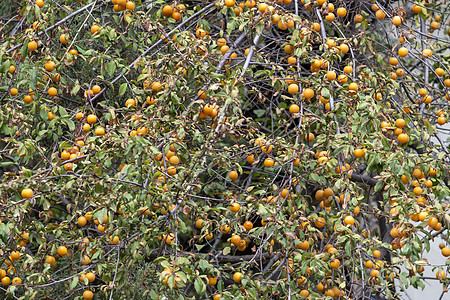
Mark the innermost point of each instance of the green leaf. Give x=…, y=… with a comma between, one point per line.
x=24, y=49
x=226, y=250
x=262, y=210
x=200, y=286
x=74, y=282
x=75, y=89
x=111, y=68
x=70, y=124
x=62, y=112
x=123, y=88
x=379, y=186
x=259, y=112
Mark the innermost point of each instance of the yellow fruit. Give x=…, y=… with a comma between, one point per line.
x=403, y=138
x=62, y=251
x=268, y=162
x=81, y=221
x=341, y=12
x=237, y=277
x=233, y=175
x=380, y=14
x=27, y=193
x=397, y=21
x=349, y=220
x=427, y=53
x=294, y=108
x=293, y=89
x=88, y=295
x=32, y=46
x=100, y=131
x=402, y=52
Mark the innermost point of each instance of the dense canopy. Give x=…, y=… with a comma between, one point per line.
x=221, y=149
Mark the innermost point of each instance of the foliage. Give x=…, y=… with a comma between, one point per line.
x=222, y=150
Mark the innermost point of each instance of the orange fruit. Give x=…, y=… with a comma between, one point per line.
x=49, y=66
x=81, y=221
x=335, y=264
x=445, y=251
x=167, y=10
x=40, y=3
x=235, y=207
x=330, y=17
x=402, y=51
x=341, y=12
x=331, y=75
x=358, y=18
x=32, y=45
x=100, y=131
x=397, y=21
x=393, y=61
x=86, y=127
x=52, y=92
x=320, y=222
x=293, y=89
x=225, y=228
x=27, y=193
x=308, y=93
x=403, y=138
x=237, y=277
x=416, y=8
x=6, y=280
x=294, y=108
x=427, y=53
x=130, y=5
x=439, y=275
x=62, y=250
x=349, y=220
x=96, y=89
x=230, y=3
x=90, y=276
x=235, y=240
x=88, y=295
x=63, y=38
x=248, y=225
x=13, y=91
x=380, y=14
x=268, y=162
x=233, y=175
x=50, y=260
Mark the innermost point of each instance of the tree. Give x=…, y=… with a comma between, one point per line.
x=222, y=150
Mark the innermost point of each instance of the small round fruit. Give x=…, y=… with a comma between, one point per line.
x=294, y=108
x=237, y=277
x=32, y=46
x=27, y=193
x=349, y=220
x=403, y=138
x=91, y=119
x=359, y=153
x=52, y=91
x=88, y=295
x=62, y=250
x=293, y=88
x=100, y=131
x=81, y=221
x=233, y=175
x=402, y=52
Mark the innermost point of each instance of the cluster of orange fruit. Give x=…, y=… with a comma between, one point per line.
x=121, y=5
x=173, y=11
